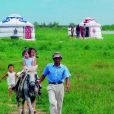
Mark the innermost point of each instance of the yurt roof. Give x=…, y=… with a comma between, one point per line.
x=15, y=15
x=15, y=20
x=89, y=22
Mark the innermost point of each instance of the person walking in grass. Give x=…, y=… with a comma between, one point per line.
x=78, y=31
x=11, y=79
x=56, y=73
x=84, y=31
x=72, y=31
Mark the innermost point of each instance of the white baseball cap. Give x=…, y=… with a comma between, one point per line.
x=57, y=55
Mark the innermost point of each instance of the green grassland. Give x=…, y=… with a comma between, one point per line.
x=91, y=63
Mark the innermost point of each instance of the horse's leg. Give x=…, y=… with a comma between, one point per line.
x=33, y=101
x=28, y=99
x=18, y=105
x=23, y=110
x=34, y=105
x=30, y=106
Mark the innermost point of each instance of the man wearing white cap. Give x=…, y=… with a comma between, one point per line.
x=56, y=73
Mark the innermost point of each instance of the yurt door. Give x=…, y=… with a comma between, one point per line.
x=28, y=31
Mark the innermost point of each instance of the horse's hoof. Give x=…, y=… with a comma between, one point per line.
x=34, y=112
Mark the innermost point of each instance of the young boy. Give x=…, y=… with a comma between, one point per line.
x=11, y=79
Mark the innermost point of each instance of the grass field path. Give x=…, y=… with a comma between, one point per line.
x=38, y=112
x=15, y=111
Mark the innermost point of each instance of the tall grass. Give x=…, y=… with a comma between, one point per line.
x=90, y=62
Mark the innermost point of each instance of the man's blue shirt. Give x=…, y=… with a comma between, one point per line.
x=56, y=73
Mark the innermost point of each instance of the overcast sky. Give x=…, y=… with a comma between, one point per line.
x=62, y=11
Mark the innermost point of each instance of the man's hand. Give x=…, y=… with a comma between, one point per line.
x=38, y=81
x=41, y=79
x=67, y=84
x=67, y=88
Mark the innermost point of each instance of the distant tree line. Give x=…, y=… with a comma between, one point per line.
x=56, y=24
x=51, y=24
x=108, y=27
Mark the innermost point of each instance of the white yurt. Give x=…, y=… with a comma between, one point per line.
x=15, y=26
x=93, y=28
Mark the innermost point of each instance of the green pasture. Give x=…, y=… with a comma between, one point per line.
x=91, y=63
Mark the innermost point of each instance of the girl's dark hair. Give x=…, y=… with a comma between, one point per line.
x=26, y=50
x=30, y=49
x=10, y=65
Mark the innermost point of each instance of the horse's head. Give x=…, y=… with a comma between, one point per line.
x=32, y=82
